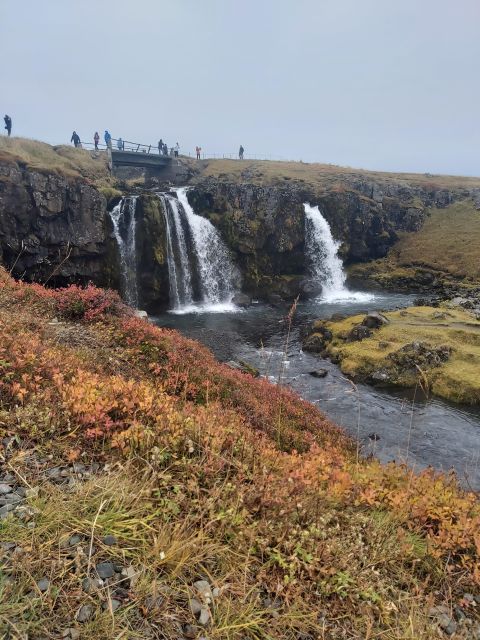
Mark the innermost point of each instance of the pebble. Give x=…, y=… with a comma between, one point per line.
x=74, y=540
x=91, y=584
x=105, y=570
x=5, y=488
x=195, y=606
x=71, y=633
x=109, y=540
x=204, y=617
x=113, y=603
x=84, y=613
x=6, y=509
x=43, y=584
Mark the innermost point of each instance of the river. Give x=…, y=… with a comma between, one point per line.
x=387, y=423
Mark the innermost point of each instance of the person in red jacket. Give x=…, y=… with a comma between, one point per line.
x=96, y=139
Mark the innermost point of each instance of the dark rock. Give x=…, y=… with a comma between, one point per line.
x=74, y=540
x=90, y=585
x=359, y=332
x=85, y=613
x=6, y=509
x=105, y=570
x=109, y=540
x=319, y=373
x=374, y=320
x=5, y=488
x=373, y=436
x=337, y=317
x=241, y=300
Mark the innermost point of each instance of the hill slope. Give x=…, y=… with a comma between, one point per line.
x=150, y=492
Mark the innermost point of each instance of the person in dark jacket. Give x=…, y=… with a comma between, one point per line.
x=241, y=151
x=160, y=146
x=8, y=124
x=96, y=139
x=75, y=139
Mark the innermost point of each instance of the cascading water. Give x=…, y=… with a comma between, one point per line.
x=179, y=270
x=326, y=268
x=124, y=223
x=202, y=275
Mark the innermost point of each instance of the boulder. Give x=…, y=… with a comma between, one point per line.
x=375, y=320
x=319, y=373
x=359, y=332
x=241, y=300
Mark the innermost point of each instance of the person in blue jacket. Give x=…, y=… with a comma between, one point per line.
x=108, y=139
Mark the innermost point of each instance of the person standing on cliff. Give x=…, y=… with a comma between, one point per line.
x=108, y=139
x=8, y=124
x=177, y=150
x=160, y=146
x=75, y=139
x=96, y=139
x=241, y=151
x=198, y=150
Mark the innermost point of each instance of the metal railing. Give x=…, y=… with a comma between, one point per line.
x=138, y=147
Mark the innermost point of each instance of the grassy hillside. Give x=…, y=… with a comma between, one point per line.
x=155, y=493
x=62, y=159
x=322, y=175
x=448, y=241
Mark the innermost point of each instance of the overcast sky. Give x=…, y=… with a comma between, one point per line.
x=376, y=84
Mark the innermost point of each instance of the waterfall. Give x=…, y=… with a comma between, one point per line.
x=201, y=273
x=326, y=268
x=179, y=271
x=124, y=222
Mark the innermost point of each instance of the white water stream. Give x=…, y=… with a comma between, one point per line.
x=202, y=274
x=326, y=268
x=124, y=223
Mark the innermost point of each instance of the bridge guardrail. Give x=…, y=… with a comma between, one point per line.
x=153, y=149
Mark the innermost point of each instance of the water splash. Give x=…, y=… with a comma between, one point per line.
x=326, y=268
x=124, y=225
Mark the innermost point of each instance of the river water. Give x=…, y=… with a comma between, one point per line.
x=388, y=424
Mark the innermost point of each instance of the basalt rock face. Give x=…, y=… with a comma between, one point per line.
x=264, y=225
x=55, y=228
x=151, y=247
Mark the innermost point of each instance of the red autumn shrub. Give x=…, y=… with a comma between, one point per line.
x=88, y=303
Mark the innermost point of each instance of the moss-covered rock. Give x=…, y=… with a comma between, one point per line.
x=151, y=243
x=438, y=350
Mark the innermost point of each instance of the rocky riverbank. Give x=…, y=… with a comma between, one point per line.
x=436, y=349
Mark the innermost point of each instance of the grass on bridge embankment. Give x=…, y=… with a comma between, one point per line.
x=205, y=473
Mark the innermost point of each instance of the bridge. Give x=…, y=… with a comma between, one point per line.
x=142, y=159
x=122, y=153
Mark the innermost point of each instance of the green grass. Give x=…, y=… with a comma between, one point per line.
x=456, y=380
x=448, y=241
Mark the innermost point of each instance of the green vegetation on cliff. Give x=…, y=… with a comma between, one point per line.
x=151, y=492
x=446, y=246
x=439, y=349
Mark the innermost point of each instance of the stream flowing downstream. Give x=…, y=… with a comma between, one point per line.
x=387, y=424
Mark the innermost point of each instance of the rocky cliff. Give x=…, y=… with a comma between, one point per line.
x=54, y=227
x=264, y=224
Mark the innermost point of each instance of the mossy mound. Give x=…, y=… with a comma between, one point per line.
x=439, y=349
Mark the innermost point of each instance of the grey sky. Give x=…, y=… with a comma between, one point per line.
x=377, y=84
